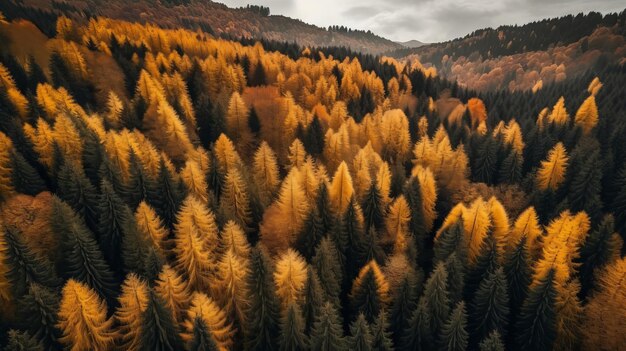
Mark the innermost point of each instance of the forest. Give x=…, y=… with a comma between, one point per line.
x=167, y=189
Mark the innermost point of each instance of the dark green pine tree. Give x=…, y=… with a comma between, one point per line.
x=485, y=161
x=257, y=78
x=166, y=197
x=352, y=241
x=292, y=336
x=139, y=183
x=202, y=339
x=450, y=240
x=77, y=191
x=312, y=233
x=518, y=277
x=264, y=311
x=25, y=267
x=111, y=173
x=619, y=202
x=413, y=196
x=453, y=335
x=486, y=263
x=381, y=337
x=158, y=330
x=327, y=332
x=536, y=326
x=586, y=187
x=253, y=122
x=418, y=335
x=456, y=277
x=118, y=231
x=313, y=300
x=490, y=308
x=92, y=157
x=436, y=298
x=493, y=342
x=24, y=177
x=360, y=338
x=365, y=298
x=597, y=251
x=372, y=208
x=545, y=202
x=404, y=303
x=22, y=341
x=371, y=249
x=329, y=270
x=314, y=138
x=510, y=171
x=37, y=311
x=82, y=259
x=35, y=75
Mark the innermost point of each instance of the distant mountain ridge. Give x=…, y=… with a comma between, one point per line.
x=209, y=16
x=412, y=43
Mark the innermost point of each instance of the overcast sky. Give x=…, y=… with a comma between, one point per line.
x=427, y=20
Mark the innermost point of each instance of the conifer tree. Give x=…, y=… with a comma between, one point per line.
x=493, y=342
x=158, y=329
x=552, y=171
x=292, y=336
x=265, y=173
x=214, y=318
x=360, y=335
x=173, y=291
x=75, y=189
x=22, y=341
x=133, y=302
x=486, y=263
x=290, y=277
x=83, y=260
x=585, y=188
x=451, y=240
x=234, y=201
x=326, y=263
x=510, y=171
x=536, y=326
x=264, y=308
x=587, y=115
x=417, y=226
x=25, y=178
x=83, y=320
x=166, y=196
x=418, y=335
x=327, y=332
x=372, y=208
x=490, y=308
x=381, y=337
x=518, y=276
x=370, y=292
x=453, y=334
x=600, y=248
x=341, y=190
x=314, y=138
x=202, y=339
x=456, y=277
x=38, y=311
x=436, y=300
x=312, y=299
x=404, y=303
x=139, y=182
x=230, y=286
x=311, y=234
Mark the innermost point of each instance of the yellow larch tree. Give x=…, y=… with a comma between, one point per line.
x=394, y=131
x=476, y=225
x=552, y=171
x=173, y=289
x=296, y=155
x=569, y=312
x=151, y=227
x=82, y=319
x=234, y=201
x=341, y=189
x=226, y=155
x=195, y=180
x=215, y=319
x=527, y=226
x=310, y=179
x=559, y=115
x=289, y=277
x=398, y=218
x=595, y=86
x=605, y=314
x=265, y=173
x=455, y=215
x=6, y=182
x=428, y=189
x=234, y=239
x=230, y=287
x=513, y=136
x=42, y=137
x=362, y=174
x=237, y=122
x=499, y=224
x=382, y=286
x=133, y=301
x=68, y=138
x=587, y=115
x=383, y=183
x=115, y=107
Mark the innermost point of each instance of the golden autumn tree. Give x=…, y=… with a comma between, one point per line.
x=559, y=115
x=587, y=115
x=83, y=319
x=552, y=171
x=341, y=189
x=290, y=276
x=476, y=225
x=230, y=287
x=477, y=111
x=265, y=173
x=194, y=180
x=234, y=201
x=150, y=226
x=214, y=318
x=395, y=135
x=133, y=302
x=172, y=288
x=237, y=121
x=398, y=218
x=527, y=226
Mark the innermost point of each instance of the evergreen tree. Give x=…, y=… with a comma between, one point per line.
x=77, y=191
x=38, y=312
x=360, y=338
x=484, y=160
x=25, y=178
x=510, y=171
x=139, y=183
x=456, y=277
x=518, y=276
x=449, y=241
x=536, y=326
x=312, y=233
x=370, y=290
x=253, y=122
x=486, y=263
x=314, y=138
x=381, y=337
x=329, y=270
x=22, y=341
x=327, y=332
x=292, y=336
x=158, y=329
x=24, y=266
x=436, y=298
x=264, y=314
x=92, y=157
x=413, y=195
x=313, y=299
x=619, y=202
x=418, y=335
x=490, y=308
x=372, y=208
x=598, y=250
x=405, y=302
x=202, y=339
x=166, y=197
x=454, y=336
x=83, y=259
x=493, y=342
x=351, y=240
x=584, y=191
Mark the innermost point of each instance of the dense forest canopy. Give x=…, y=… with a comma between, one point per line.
x=168, y=189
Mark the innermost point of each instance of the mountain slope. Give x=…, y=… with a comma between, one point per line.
x=208, y=16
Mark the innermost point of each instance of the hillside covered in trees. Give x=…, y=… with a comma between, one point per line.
x=164, y=189
x=528, y=56
x=211, y=17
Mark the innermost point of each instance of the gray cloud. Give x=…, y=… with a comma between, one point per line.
x=427, y=20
